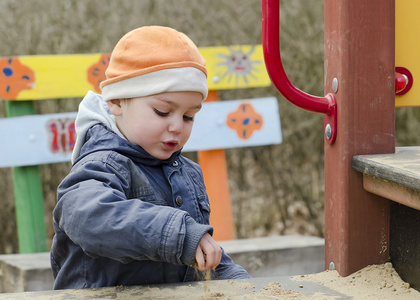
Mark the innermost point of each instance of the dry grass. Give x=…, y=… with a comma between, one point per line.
x=274, y=189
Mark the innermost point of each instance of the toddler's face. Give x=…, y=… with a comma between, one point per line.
x=161, y=124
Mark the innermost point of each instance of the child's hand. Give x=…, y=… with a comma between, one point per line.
x=208, y=254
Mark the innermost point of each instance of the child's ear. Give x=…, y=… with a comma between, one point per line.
x=115, y=107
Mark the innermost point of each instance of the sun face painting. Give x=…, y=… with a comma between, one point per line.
x=235, y=67
x=239, y=65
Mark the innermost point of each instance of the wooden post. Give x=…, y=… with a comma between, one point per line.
x=213, y=164
x=29, y=200
x=359, y=53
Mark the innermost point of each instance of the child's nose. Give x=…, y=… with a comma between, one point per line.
x=176, y=125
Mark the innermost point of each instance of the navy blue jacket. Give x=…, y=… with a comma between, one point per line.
x=126, y=218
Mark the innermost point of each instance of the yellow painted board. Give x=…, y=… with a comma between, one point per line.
x=61, y=76
x=407, y=47
x=64, y=76
x=235, y=67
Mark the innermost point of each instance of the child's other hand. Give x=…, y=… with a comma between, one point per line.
x=208, y=254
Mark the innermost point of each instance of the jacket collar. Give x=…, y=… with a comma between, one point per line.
x=100, y=138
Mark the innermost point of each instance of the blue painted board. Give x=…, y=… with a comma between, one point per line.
x=29, y=140
x=41, y=139
x=211, y=128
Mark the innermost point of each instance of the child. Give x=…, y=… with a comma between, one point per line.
x=133, y=210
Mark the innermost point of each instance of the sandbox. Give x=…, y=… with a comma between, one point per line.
x=372, y=282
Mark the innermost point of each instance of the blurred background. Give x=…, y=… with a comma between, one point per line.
x=275, y=190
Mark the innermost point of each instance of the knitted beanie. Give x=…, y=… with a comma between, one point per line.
x=152, y=60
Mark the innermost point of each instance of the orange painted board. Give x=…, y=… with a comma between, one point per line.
x=63, y=76
x=215, y=174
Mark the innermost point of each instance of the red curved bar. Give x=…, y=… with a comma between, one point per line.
x=271, y=48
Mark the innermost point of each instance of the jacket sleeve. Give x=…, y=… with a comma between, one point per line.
x=94, y=212
x=227, y=269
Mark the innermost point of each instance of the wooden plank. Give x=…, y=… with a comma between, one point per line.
x=233, y=67
x=393, y=191
x=392, y=176
x=29, y=200
x=32, y=140
x=407, y=47
x=41, y=139
x=401, y=167
x=211, y=128
x=63, y=76
x=359, y=53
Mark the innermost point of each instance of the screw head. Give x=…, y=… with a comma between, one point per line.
x=328, y=131
x=335, y=85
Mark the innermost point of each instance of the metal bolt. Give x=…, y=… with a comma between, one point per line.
x=216, y=79
x=328, y=131
x=406, y=78
x=335, y=85
x=332, y=266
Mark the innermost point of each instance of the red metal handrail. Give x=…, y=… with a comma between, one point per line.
x=271, y=47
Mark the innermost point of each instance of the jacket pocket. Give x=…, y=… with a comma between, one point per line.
x=146, y=194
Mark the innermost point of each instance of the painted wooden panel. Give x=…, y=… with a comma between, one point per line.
x=64, y=76
x=235, y=67
x=407, y=47
x=236, y=123
x=36, y=139
x=40, y=139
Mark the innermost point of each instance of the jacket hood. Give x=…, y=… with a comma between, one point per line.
x=92, y=110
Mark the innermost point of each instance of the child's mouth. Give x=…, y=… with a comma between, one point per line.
x=171, y=145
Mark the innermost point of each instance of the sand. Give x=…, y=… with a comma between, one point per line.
x=372, y=282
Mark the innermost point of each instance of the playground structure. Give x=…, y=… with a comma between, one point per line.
x=361, y=82
x=358, y=217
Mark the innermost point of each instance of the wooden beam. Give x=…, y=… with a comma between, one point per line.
x=29, y=199
x=50, y=138
x=359, y=53
x=394, y=176
x=392, y=191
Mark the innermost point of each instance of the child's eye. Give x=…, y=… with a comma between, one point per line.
x=187, y=118
x=160, y=113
